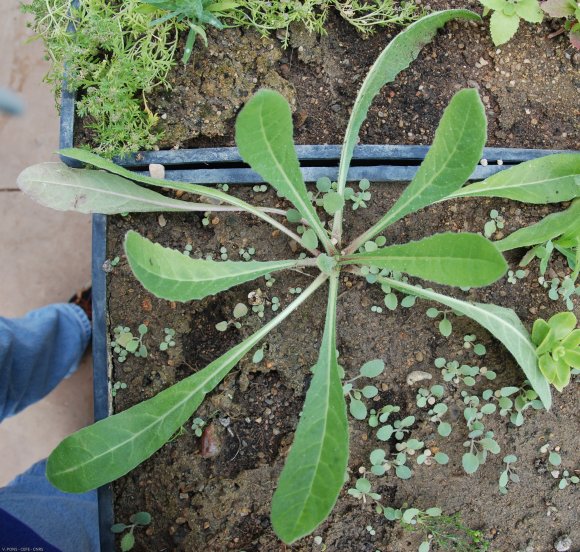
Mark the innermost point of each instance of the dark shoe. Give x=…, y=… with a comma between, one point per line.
x=84, y=299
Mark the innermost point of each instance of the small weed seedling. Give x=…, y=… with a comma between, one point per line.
x=116, y=387
x=196, y=14
x=197, y=426
x=168, y=340
x=313, y=475
x=496, y=222
x=126, y=343
x=240, y=310
x=442, y=531
x=140, y=519
x=511, y=406
x=567, y=479
x=469, y=343
x=557, y=344
x=505, y=19
x=508, y=475
x=357, y=408
x=445, y=326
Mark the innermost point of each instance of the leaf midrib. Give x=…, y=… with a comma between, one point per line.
x=427, y=183
x=500, y=187
x=276, y=265
x=172, y=203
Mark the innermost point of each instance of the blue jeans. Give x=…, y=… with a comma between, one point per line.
x=36, y=353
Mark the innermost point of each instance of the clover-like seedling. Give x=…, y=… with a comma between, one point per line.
x=168, y=340
x=307, y=489
x=116, y=387
x=427, y=457
x=381, y=463
x=508, y=475
x=125, y=343
x=429, y=396
x=197, y=426
x=567, y=479
x=557, y=344
x=445, y=326
x=363, y=490
x=479, y=444
x=357, y=407
x=511, y=406
x=382, y=415
x=140, y=519
x=496, y=222
x=240, y=310
x=514, y=276
x=469, y=343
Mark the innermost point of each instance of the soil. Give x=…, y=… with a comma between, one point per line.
x=219, y=499
x=529, y=86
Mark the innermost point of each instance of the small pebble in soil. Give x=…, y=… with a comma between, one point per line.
x=157, y=171
x=563, y=543
x=416, y=376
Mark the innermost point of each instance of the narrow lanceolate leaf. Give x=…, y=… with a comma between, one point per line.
x=171, y=275
x=396, y=57
x=314, y=472
x=233, y=203
x=502, y=323
x=557, y=224
x=456, y=150
x=264, y=139
x=549, y=179
x=452, y=259
x=110, y=448
x=59, y=187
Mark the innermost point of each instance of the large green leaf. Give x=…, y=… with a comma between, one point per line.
x=452, y=259
x=549, y=179
x=202, y=191
x=59, y=187
x=171, y=275
x=456, y=150
x=314, y=472
x=112, y=447
x=396, y=57
x=264, y=138
x=502, y=323
x=565, y=222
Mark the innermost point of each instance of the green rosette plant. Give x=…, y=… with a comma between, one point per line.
x=314, y=471
x=558, y=347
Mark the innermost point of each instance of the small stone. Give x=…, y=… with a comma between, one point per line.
x=162, y=221
x=563, y=543
x=419, y=356
x=416, y=376
x=157, y=171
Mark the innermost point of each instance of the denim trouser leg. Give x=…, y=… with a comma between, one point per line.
x=67, y=521
x=37, y=352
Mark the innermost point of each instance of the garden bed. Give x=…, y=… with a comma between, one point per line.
x=219, y=499
x=529, y=86
x=213, y=492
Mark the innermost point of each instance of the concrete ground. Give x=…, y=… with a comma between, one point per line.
x=44, y=254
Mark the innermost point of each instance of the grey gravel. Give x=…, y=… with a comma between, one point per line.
x=563, y=543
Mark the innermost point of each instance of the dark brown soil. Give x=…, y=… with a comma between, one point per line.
x=529, y=86
x=222, y=502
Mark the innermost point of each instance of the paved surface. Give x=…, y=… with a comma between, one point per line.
x=44, y=254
